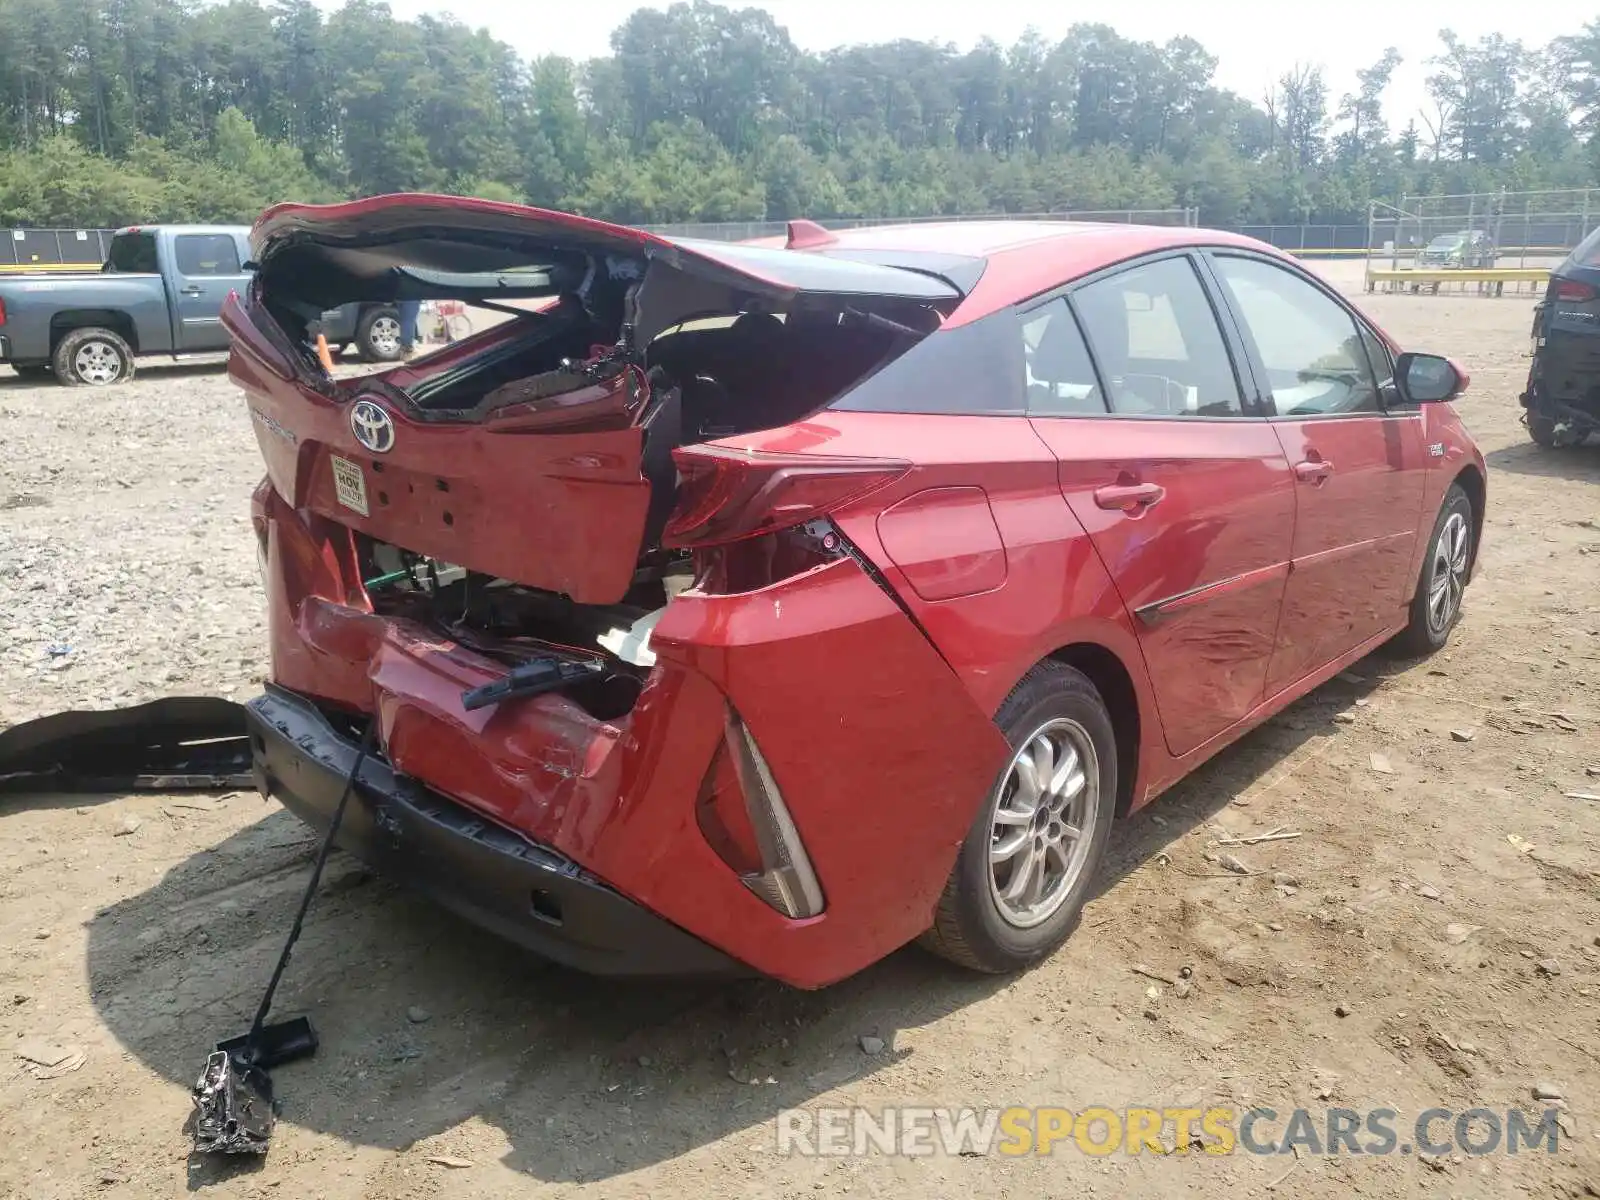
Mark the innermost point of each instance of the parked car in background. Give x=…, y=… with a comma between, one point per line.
x=1469, y=249
x=160, y=292
x=1562, y=397
x=765, y=608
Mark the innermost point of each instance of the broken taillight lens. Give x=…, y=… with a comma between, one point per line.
x=726, y=495
x=1571, y=289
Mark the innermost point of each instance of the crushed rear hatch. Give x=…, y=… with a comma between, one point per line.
x=538, y=452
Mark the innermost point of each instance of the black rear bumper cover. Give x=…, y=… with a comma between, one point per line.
x=491, y=875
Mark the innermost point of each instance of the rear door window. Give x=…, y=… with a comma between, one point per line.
x=1156, y=339
x=133, y=254
x=201, y=254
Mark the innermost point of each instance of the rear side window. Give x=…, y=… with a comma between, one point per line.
x=1060, y=375
x=1156, y=338
x=973, y=368
x=1588, y=252
x=207, y=254
x=133, y=254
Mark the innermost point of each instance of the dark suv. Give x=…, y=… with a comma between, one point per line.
x=1563, y=394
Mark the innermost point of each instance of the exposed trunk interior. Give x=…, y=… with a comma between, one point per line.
x=514, y=624
x=673, y=345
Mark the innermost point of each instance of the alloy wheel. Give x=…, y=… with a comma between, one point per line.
x=1042, y=822
x=1448, y=574
x=97, y=363
x=384, y=335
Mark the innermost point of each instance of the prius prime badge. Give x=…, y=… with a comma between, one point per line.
x=372, y=427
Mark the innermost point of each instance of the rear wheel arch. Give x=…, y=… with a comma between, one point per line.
x=1114, y=682
x=70, y=320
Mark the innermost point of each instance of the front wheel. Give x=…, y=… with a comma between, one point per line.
x=94, y=357
x=1026, y=865
x=1436, y=605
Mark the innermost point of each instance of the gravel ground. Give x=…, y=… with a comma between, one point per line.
x=127, y=565
x=1433, y=938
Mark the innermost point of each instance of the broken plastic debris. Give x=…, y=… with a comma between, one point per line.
x=632, y=645
x=233, y=1107
x=49, y=1060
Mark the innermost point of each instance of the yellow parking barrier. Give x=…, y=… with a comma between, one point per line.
x=1493, y=279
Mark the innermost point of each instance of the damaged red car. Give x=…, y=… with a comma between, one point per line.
x=763, y=608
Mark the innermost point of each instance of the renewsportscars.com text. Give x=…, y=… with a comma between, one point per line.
x=1100, y=1131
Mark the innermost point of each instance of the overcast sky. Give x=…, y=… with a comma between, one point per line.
x=1254, y=41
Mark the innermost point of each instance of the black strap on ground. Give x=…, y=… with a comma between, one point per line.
x=233, y=1098
x=257, y=1045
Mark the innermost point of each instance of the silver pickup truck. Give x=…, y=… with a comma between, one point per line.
x=160, y=293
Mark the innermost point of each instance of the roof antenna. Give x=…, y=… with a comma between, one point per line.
x=805, y=235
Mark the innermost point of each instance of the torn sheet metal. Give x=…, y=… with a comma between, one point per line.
x=233, y=1107
x=182, y=743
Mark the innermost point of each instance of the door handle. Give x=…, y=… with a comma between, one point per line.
x=192, y=290
x=1313, y=471
x=1127, y=497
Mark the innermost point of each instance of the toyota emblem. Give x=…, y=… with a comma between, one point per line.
x=372, y=427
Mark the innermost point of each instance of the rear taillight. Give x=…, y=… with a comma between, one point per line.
x=745, y=820
x=724, y=818
x=1571, y=289
x=753, y=563
x=2, y=312
x=726, y=495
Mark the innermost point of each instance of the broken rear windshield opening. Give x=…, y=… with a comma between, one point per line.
x=759, y=338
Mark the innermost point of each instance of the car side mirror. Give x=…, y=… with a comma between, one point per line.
x=1428, y=379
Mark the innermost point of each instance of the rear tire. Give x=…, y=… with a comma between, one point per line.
x=1542, y=430
x=378, y=334
x=92, y=357
x=1060, y=780
x=1436, y=605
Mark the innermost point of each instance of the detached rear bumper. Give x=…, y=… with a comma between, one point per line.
x=484, y=872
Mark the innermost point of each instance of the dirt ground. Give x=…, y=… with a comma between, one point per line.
x=1449, y=908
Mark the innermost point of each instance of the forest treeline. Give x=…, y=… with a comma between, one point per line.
x=114, y=111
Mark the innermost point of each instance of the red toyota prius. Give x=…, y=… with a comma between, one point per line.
x=766, y=607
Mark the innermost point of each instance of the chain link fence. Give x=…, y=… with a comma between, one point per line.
x=1501, y=229
x=1526, y=229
